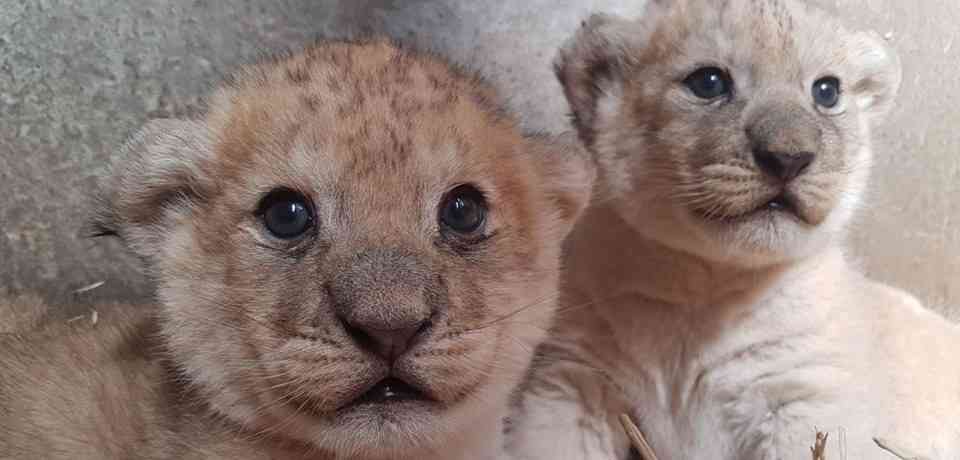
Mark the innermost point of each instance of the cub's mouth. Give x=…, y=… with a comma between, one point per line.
x=387, y=395
x=388, y=391
x=783, y=204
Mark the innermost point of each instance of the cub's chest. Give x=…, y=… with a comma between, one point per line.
x=750, y=401
x=695, y=416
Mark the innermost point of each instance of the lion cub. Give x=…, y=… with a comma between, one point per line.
x=709, y=295
x=356, y=252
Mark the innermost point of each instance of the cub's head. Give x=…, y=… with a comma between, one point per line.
x=355, y=248
x=738, y=130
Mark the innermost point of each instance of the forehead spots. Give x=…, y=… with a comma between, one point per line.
x=375, y=133
x=311, y=102
x=369, y=98
x=375, y=147
x=298, y=75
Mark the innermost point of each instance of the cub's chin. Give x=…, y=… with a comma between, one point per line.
x=389, y=417
x=392, y=419
x=772, y=230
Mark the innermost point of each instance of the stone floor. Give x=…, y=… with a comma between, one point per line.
x=77, y=76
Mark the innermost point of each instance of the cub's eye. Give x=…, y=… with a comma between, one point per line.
x=463, y=210
x=709, y=83
x=826, y=92
x=286, y=213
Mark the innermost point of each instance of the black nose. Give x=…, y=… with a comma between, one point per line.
x=390, y=344
x=783, y=166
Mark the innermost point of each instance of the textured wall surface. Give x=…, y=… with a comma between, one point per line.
x=78, y=76
x=909, y=232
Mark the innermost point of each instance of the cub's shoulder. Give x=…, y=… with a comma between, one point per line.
x=79, y=386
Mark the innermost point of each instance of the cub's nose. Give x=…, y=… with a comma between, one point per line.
x=389, y=344
x=784, y=138
x=384, y=298
x=781, y=165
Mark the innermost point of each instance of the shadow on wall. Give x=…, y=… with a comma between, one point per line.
x=76, y=77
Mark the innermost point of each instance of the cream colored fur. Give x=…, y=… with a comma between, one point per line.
x=731, y=334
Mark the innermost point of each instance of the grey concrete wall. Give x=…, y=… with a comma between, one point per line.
x=909, y=233
x=77, y=76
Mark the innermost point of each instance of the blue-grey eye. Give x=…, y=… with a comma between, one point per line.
x=826, y=92
x=709, y=83
x=286, y=214
x=463, y=210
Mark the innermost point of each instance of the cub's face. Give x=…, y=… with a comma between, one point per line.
x=738, y=130
x=354, y=248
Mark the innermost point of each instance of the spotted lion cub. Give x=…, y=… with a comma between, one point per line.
x=710, y=296
x=356, y=253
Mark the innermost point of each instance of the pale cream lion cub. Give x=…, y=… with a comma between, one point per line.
x=356, y=253
x=709, y=294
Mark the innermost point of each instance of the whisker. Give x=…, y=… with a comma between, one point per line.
x=539, y=303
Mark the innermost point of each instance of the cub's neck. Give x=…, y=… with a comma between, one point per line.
x=609, y=259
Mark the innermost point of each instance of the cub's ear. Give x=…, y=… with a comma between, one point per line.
x=567, y=175
x=593, y=64
x=163, y=171
x=880, y=74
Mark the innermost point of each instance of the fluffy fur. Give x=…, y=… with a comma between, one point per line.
x=21, y=314
x=727, y=324
x=250, y=352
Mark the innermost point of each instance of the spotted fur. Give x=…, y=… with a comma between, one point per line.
x=248, y=356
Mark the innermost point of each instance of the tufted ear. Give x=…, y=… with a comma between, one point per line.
x=568, y=175
x=593, y=64
x=163, y=170
x=878, y=83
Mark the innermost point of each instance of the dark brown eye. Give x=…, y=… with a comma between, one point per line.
x=826, y=92
x=463, y=210
x=286, y=214
x=709, y=83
